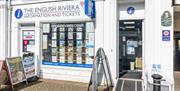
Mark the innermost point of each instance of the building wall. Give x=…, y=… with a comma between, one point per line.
x=3, y=30
x=138, y=14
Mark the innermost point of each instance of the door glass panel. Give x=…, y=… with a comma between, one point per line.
x=130, y=45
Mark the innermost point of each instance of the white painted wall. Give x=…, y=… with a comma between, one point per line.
x=111, y=36
x=3, y=30
x=156, y=50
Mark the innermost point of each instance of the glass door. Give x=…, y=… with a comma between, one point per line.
x=130, y=45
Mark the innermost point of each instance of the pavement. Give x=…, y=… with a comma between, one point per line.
x=51, y=85
x=177, y=80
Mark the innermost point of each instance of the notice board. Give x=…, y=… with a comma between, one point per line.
x=16, y=70
x=29, y=64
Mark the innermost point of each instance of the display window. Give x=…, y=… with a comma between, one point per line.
x=68, y=44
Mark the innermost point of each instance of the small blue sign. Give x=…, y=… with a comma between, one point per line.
x=89, y=8
x=130, y=10
x=166, y=35
x=18, y=13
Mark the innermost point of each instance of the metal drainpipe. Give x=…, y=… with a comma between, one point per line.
x=9, y=29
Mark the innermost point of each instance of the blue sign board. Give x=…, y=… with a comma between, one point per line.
x=166, y=35
x=18, y=13
x=130, y=10
x=89, y=6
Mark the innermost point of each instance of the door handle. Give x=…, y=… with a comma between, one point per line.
x=124, y=50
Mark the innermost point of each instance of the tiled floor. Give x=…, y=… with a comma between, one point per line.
x=177, y=80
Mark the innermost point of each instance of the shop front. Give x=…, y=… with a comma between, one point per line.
x=61, y=36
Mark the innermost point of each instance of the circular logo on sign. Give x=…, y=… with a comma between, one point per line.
x=166, y=33
x=18, y=13
x=130, y=10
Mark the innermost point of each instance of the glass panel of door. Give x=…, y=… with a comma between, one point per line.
x=130, y=41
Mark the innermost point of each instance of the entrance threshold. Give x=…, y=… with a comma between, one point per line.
x=130, y=81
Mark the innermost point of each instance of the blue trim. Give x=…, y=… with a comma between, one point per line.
x=91, y=13
x=67, y=64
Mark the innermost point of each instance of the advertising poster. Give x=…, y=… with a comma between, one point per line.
x=78, y=35
x=70, y=43
x=90, y=52
x=53, y=50
x=89, y=27
x=62, y=36
x=90, y=39
x=54, y=36
x=54, y=43
x=70, y=35
x=46, y=28
x=16, y=69
x=79, y=60
x=62, y=43
x=131, y=50
x=45, y=43
x=70, y=58
x=54, y=29
x=79, y=44
x=29, y=64
x=62, y=59
x=54, y=59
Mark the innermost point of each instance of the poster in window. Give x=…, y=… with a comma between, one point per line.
x=79, y=44
x=79, y=52
x=62, y=36
x=46, y=28
x=90, y=39
x=30, y=47
x=90, y=52
x=54, y=36
x=54, y=29
x=79, y=35
x=54, y=59
x=62, y=49
x=53, y=50
x=70, y=43
x=131, y=50
x=70, y=50
x=79, y=60
x=31, y=42
x=89, y=27
x=70, y=29
x=54, y=43
x=45, y=43
x=79, y=29
x=70, y=35
x=62, y=29
x=70, y=58
x=62, y=59
x=62, y=43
